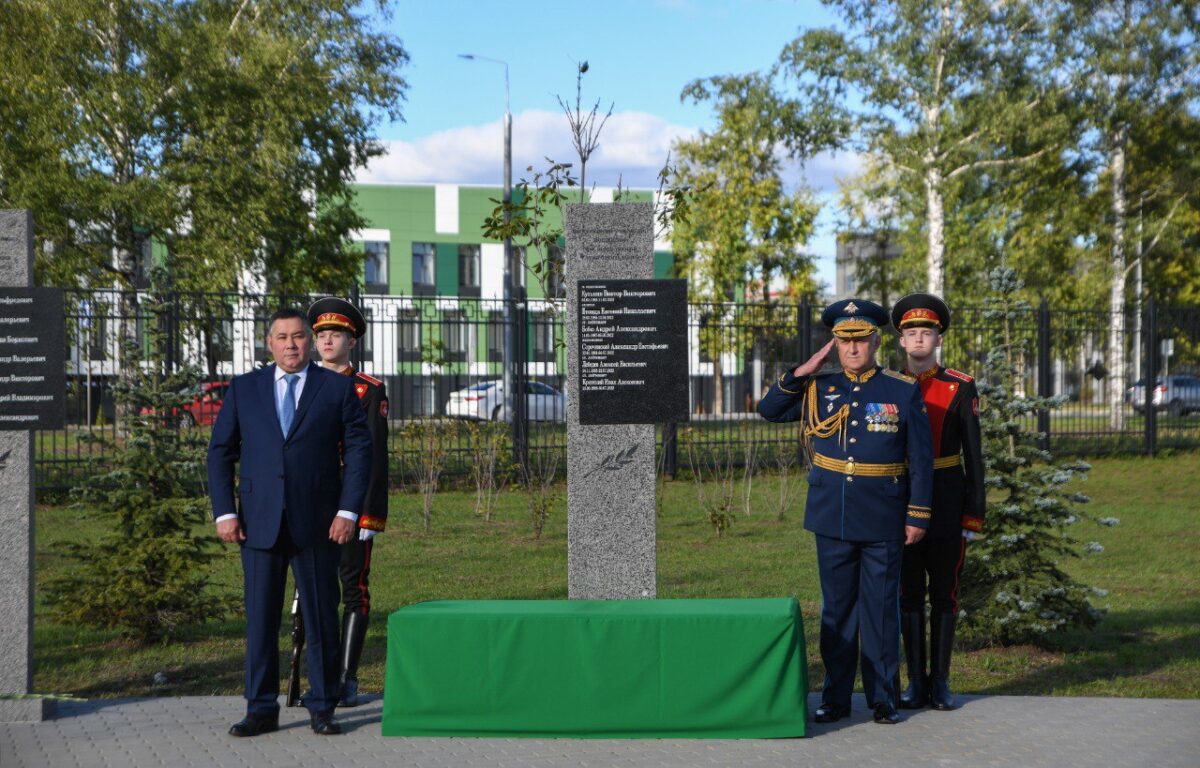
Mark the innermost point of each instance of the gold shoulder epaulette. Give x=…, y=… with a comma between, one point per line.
x=898, y=375
x=958, y=375
x=370, y=379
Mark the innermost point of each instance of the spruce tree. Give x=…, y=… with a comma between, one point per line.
x=1014, y=589
x=146, y=576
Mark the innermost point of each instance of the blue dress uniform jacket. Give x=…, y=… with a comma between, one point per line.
x=871, y=449
x=872, y=473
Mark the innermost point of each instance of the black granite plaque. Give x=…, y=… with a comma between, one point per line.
x=633, y=364
x=33, y=380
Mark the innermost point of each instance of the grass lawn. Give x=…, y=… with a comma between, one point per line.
x=1148, y=645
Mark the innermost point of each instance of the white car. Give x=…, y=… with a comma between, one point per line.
x=486, y=402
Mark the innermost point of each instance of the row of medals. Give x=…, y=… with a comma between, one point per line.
x=883, y=420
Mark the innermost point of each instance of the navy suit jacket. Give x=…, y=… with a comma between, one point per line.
x=300, y=475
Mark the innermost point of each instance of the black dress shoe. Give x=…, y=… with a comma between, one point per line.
x=323, y=724
x=830, y=713
x=349, y=693
x=886, y=713
x=916, y=696
x=253, y=725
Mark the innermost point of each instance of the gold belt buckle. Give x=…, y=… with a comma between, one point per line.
x=849, y=467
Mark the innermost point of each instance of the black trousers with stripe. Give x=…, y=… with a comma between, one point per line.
x=932, y=566
x=355, y=571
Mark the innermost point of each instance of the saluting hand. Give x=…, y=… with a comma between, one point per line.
x=814, y=363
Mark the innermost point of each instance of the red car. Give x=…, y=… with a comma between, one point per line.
x=203, y=410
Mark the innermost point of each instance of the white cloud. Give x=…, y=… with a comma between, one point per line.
x=824, y=170
x=633, y=145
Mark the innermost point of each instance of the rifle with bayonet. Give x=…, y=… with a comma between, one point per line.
x=293, y=691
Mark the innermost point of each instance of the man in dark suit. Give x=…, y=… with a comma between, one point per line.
x=288, y=427
x=869, y=492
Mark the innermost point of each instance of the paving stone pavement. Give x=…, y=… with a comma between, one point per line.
x=984, y=731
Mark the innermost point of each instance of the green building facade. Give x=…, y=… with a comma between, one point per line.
x=433, y=290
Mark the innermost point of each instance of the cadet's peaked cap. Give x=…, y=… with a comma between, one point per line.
x=854, y=318
x=336, y=314
x=921, y=310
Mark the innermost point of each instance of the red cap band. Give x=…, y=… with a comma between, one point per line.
x=333, y=319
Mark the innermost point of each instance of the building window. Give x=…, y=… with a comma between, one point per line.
x=555, y=273
x=424, y=396
x=217, y=338
x=456, y=336
x=145, y=263
x=262, y=322
x=365, y=342
x=518, y=266
x=543, y=337
x=408, y=336
x=376, y=255
x=468, y=270
x=495, y=337
x=422, y=267
x=93, y=320
x=709, y=338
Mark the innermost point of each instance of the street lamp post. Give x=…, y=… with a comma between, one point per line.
x=514, y=299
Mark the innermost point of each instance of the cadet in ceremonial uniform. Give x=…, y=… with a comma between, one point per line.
x=338, y=325
x=932, y=566
x=869, y=493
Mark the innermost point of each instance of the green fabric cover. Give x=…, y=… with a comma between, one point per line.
x=597, y=669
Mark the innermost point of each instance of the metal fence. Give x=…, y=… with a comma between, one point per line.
x=443, y=360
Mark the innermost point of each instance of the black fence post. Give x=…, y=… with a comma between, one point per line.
x=169, y=324
x=520, y=414
x=1045, y=383
x=804, y=326
x=670, y=448
x=1150, y=375
x=356, y=354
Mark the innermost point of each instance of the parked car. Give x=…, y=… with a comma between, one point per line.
x=203, y=409
x=1179, y=395
x=486, y=402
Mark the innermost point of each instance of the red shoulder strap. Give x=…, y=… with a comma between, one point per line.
x=370, y=379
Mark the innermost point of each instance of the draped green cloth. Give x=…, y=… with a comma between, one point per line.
x=597, y=669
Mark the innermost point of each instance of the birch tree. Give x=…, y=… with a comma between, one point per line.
x=1130, y=59
x=744, y=222
x=933, y=89
x=226, y=130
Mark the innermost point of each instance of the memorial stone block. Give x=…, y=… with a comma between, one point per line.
x=610, y=424
x=16, y=484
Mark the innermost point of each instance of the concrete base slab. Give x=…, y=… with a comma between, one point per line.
x=25, y=710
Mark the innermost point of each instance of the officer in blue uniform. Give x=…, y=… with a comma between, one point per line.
x=867, y=434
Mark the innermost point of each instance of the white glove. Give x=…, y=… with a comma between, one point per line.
x=968, y=535
x=366, y=534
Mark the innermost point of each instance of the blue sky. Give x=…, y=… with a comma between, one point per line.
x=640, y=55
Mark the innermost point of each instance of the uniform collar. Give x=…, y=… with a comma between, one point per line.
x=929, y=374
x=861, y=377
x=347, y=371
